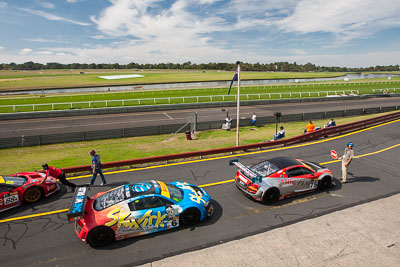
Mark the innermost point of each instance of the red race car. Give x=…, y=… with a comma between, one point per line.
x=24, y=187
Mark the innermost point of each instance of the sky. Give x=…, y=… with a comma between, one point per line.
x=345, y=33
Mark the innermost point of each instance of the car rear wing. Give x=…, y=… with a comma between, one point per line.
x=77, y=206
x=249, y=173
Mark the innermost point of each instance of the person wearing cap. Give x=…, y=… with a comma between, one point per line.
x=96, y=168
x=56, y=173
x=346, y=159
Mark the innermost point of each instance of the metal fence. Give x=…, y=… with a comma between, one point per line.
x=48, y=139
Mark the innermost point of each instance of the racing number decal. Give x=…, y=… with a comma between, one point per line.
x=314, y=184
x=11, y=199
x=173, y=223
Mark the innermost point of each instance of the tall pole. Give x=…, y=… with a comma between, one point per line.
x=238, y=105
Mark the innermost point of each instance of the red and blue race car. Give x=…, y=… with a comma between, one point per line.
x=25, y=187
x=137, y=209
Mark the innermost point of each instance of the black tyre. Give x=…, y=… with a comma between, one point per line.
x=189, y=217
x=270, y=196
x=100, y=236
x=325, y=183
x=33, y=194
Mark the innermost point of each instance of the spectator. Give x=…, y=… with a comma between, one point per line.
x=227, y=124
x=253, y=119
x=280, y=134
x=331, y=123
x=309, y=128
x=58, y=174
x=96, y=167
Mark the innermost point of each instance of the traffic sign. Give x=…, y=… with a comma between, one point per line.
x=334, y=154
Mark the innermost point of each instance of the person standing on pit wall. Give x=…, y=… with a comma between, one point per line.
x=309, y=127
x=58, y=174
x=96, y=168
x=253, y=119
x=346, y=159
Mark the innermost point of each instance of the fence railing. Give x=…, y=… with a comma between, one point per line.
x=297, y=139
x=168, y=100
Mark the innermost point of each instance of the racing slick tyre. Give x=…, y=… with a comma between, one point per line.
x=325, y=183
x=100, y=236
x=270, y=196
x=189, y=217
x=33, y=194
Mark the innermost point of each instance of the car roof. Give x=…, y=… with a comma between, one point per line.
x=284, y=162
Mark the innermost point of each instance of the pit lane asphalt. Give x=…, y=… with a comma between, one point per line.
x=50, y=240
x=33, y=127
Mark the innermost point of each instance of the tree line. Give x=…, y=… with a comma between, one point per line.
x=276, y=66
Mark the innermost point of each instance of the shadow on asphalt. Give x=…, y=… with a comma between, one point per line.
x=208, y=221
x=362, y=179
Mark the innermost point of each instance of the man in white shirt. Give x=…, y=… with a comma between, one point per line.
x=253, y=119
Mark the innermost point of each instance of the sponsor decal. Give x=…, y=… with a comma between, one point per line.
x=80, y=197
x=141, y=187
x=147, y=222
x=194, y=196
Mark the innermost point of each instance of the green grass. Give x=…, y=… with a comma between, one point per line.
x=22, y=80
x=75, y=154
x=158, y=97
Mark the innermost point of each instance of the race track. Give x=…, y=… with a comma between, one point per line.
x=33, y=127
x=49, y=240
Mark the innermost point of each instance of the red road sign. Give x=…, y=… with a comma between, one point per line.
x=334, y=154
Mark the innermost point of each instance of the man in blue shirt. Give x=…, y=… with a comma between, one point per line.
x=96, y=168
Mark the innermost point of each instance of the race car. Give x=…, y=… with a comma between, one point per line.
x=137, y=209
x=25, y=187
x=281, y=177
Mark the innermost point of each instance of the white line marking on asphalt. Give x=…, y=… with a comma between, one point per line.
x=166, y=114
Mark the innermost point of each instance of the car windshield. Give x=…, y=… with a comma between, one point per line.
x=110, y=198
x=175, y=192
x=13, y=180
x=314, y=166
x=264, y=168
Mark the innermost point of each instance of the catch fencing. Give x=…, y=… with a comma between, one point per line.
x=38, y=140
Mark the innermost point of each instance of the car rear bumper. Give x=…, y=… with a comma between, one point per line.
x=257, y=196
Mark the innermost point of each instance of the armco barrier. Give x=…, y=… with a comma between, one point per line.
x=297, y=139
x=171, y=128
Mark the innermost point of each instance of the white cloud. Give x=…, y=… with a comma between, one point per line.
x=346, y=19
x=52, y=17
x=3, y=4
x=25, y=51
x=73, y=1
x=1, y=47
x=42, y=40
x=44, y=53
x=46, y=5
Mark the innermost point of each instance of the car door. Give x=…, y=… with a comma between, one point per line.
x=301, y=177
x=149, y=212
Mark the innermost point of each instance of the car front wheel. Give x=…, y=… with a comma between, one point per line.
x=189, y=217
x=325, y=183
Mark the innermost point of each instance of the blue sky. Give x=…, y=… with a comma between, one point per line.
x=351, y=33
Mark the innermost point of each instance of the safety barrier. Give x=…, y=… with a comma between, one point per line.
x=297, y=139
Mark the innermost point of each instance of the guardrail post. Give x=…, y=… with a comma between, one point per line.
x=22, y=140
x=14, y=108
x=38, y=138
x=33, y=107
